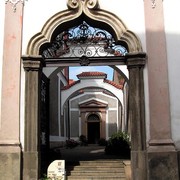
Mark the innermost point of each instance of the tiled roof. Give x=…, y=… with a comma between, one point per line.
x=71, y=81
x=70, y=85
x=118, y=86
x=86, y=74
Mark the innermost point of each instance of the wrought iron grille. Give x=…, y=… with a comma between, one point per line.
x=84, y=40
x=93, y=117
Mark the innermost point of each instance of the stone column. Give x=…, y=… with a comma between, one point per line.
x=135, y=64
x=31, y=154
x=10, y=146
x=162, y=157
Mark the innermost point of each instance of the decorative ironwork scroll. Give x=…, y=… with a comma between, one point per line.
x=83, y=40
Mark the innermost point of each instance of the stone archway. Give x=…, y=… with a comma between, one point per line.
x=135, y=61
x=84, y=83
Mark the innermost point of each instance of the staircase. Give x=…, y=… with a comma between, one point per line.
x=95, y=170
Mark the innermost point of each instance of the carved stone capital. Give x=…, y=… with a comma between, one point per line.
x=32, y=63
x=135, y=60
x=14, y=3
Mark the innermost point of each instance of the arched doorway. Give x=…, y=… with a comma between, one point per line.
x=134, y=59
x=93, y=128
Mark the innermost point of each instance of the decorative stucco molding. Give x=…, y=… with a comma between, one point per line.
x=153, y=3
x=14, y=3
x=88, y=9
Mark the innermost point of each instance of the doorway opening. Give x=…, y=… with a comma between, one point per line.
x=93, y=132
x=93, y=129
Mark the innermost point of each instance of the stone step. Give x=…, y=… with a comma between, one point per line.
x=95, y=170
x=102, y=161
x=98, y=163
x=93, y=173
x=95, y=178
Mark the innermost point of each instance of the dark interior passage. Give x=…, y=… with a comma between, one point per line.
x=93, y=132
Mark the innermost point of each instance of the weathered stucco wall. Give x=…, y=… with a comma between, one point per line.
x=171, y=13
x=2, y=9
x=112, y=123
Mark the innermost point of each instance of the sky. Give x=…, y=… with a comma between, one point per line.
x=73, y=71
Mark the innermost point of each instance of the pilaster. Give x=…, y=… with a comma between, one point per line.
x=83, y=124
x=135, y=64
x=103, y=132
x=31, y=154
x=162, y=156
x=10, y=145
